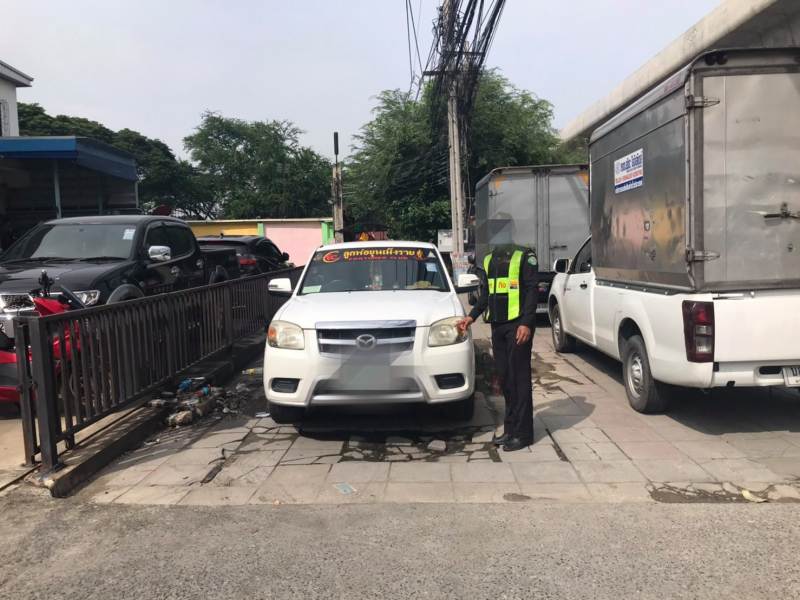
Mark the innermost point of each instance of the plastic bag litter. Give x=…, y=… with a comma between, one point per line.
x=345, y=488
x=751, y=497
x=262, y=415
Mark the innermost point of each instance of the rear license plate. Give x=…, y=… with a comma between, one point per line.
x=791, y=375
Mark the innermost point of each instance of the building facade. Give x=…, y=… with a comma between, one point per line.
x=10, y=80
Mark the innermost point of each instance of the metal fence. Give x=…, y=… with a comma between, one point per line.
x=79, y=366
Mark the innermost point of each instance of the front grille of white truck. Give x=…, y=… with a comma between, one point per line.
x=368, y=340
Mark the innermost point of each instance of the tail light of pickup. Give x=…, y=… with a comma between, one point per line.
x=698, y=330
x=247, y=261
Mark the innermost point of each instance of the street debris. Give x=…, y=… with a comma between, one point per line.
x=345, y=488
x=184, y=417
x=262, y=415
x=254, y=371
x=195, y=398
x=751, y=497
x=437, y=446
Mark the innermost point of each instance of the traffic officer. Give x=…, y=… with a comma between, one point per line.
x=508, y=301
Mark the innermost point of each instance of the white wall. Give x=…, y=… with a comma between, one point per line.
x=8, y=92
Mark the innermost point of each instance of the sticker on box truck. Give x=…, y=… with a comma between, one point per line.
x=629, y=172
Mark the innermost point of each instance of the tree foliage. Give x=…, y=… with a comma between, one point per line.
x=163, y=179
x=398, y=173
x=259, y=169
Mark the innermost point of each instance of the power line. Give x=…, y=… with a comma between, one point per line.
x=414, y=29
x=408, y=36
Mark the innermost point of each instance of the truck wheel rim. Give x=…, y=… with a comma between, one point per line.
x=635, y=373
x=557, y=326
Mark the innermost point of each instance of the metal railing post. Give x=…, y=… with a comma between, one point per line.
x=227, y=303
x=44, y=384
x=22, y=335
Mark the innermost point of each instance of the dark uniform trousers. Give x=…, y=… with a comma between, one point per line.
x=513, y=365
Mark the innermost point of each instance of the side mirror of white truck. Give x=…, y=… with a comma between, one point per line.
x=561, y=265
x=467, y=282
x=280, y=287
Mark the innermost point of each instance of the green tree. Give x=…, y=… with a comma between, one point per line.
x=259, y=169
x=398, y=173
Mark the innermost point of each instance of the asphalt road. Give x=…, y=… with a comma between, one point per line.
x=70, y=549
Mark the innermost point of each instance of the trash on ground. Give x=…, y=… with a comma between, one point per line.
x=437, y=446
x=751, y=497
x=195, y=397
x=345, y=488
x=184, y=417
x=262, y=415
x=254, y=371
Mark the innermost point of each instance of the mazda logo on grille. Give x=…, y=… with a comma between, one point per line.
x=366, y=341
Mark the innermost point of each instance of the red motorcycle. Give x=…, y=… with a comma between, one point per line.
x=45, y=303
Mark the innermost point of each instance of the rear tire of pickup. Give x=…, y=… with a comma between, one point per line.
x=645, y=394
x=562, y=341
x=286, y=414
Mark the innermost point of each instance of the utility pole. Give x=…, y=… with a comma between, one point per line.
x=454, y=143
x=336, y=192
x=456, y=189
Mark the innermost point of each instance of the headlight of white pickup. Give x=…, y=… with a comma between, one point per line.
x=446, y=332
x=88, y=297
x=285, y=335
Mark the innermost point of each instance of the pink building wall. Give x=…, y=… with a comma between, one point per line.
x=298, y=239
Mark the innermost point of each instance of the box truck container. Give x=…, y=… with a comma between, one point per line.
x=545, y=208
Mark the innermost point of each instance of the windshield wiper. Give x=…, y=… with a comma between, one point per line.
x=38, y=259
x=101, y=258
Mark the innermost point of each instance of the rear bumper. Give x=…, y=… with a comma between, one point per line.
x=751, y=374
x=373, y=378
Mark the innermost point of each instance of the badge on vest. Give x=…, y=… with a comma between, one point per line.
x=514, y=284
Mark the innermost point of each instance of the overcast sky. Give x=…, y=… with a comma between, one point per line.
x=156, y=65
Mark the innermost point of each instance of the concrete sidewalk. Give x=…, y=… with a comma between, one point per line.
x=590, y=446
x=12, y=454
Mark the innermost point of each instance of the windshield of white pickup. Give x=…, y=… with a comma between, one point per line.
x=374, y=269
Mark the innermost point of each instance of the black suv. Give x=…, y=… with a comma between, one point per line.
x=256, y=254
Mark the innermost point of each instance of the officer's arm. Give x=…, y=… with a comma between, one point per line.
x=483, y=296
x=530, y=289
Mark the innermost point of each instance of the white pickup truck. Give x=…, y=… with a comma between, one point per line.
x=370, y=323
x=665, y=339
x=692, y=274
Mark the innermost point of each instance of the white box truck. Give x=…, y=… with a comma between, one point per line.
x=545, y=208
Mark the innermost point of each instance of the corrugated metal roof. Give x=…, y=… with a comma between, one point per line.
x=86, y=152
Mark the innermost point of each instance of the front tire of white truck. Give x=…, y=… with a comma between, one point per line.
x=562, y=341
x=645, y=394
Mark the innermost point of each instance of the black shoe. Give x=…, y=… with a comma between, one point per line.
x=515, y=444
x=499, y=441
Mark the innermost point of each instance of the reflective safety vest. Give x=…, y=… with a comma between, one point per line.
x=503, y=281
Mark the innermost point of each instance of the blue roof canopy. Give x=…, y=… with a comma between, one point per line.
x=85, y=152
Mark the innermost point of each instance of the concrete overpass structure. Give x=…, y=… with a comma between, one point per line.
x=734, y=23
